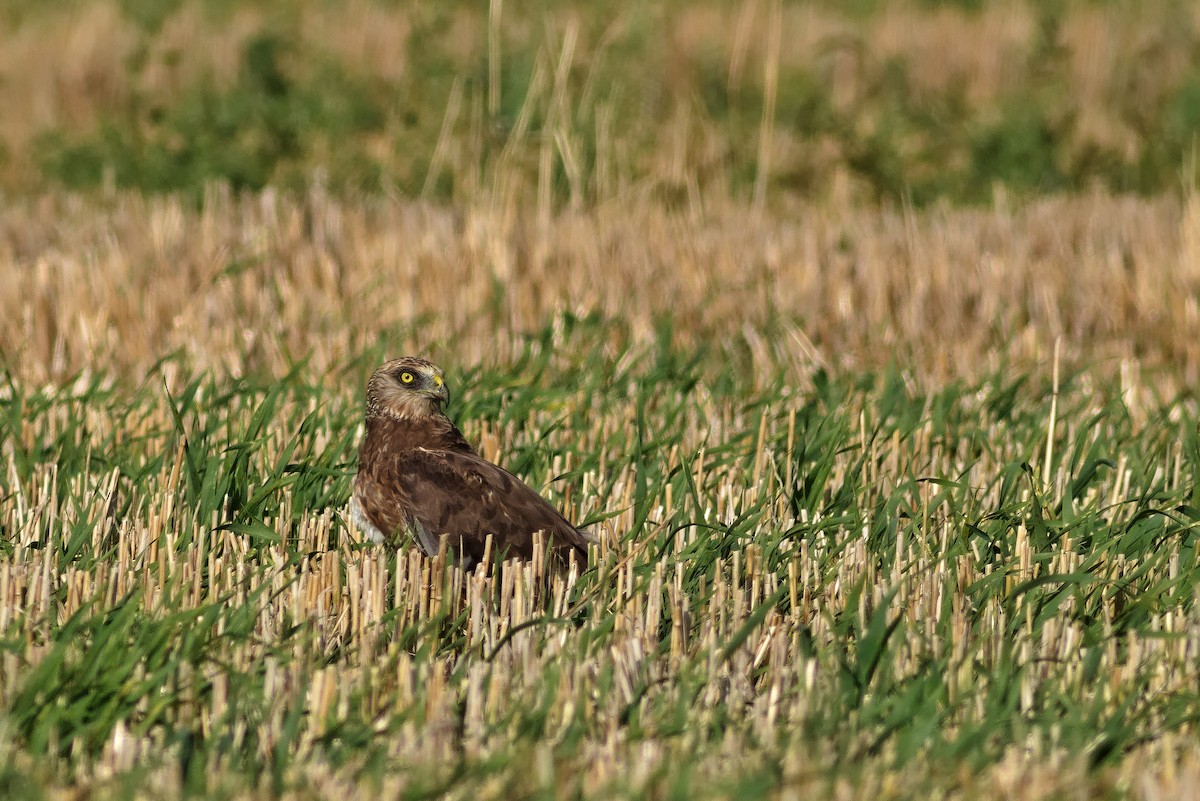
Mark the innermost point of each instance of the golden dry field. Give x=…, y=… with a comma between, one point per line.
x=895, y=473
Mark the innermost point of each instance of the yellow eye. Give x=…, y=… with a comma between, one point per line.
x=406, y=378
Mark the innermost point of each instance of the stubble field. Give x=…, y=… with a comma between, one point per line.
x=895, y=501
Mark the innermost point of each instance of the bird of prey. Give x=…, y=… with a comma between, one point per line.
x=418, y=477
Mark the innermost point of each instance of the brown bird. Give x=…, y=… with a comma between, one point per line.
x=418, y=476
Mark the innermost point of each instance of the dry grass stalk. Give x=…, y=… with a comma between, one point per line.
x=943, y=293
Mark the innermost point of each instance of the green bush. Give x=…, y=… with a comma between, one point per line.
x=266, y=128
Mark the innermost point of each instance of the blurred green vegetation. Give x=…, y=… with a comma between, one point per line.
x=265, y=128
x=648, y=89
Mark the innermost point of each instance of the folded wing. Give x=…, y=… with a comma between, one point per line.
x=468, y=498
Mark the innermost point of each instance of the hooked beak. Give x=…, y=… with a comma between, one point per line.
x=440, y=390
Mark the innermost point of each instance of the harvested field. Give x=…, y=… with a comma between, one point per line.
x=860, y=535
x=893, y=452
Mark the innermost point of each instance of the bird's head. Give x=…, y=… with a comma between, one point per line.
x=407, y=388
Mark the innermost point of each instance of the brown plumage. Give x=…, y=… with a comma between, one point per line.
x=418, y=476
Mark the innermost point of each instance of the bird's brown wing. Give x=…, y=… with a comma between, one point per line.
x=468, y=498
